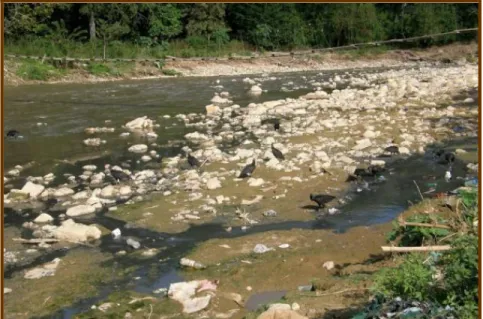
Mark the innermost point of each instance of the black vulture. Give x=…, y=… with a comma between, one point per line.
x=13, y=134
x=120, y=176
x=276, y=126
x=321, y=199
x=247, y=170
x=449, y=157
x=353, y=178
x=117, y=175
x=276, y=152
x=193, y=161
x=392, y=149
x=375, y=170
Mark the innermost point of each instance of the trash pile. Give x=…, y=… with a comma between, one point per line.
x=396, y=308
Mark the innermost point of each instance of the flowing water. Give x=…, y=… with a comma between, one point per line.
x=69, y=108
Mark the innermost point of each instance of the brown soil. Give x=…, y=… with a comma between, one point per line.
x=323, y=61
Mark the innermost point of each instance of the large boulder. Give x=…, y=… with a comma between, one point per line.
x=76, y=232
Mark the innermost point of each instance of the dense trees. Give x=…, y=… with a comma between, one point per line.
x=263, y=25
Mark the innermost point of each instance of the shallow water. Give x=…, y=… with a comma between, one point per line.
x=69, y=109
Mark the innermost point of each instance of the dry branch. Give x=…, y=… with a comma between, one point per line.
x=425, y=225
x=412, y=249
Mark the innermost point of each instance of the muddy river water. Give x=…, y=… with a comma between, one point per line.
x=52, y=119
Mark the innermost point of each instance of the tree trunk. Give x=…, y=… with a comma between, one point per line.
x=92, y=27
x=104, y=49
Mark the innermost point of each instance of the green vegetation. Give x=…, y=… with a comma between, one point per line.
x=35, y=70
x=141, y=30
x=448, y=278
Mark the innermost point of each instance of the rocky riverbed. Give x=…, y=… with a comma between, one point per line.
x=324, y=136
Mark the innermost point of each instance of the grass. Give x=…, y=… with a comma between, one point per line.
x=36, y=70
x=117, y=49
x=443, y=278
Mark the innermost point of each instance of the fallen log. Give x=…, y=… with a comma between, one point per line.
x=412, y=249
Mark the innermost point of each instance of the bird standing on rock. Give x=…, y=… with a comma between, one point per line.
x=117, y=175
x=393, y=149
x=276, y=152
x=321, y=199
x=248, y=170
x=193, y=161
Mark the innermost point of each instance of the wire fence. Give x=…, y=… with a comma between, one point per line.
x=253, y=56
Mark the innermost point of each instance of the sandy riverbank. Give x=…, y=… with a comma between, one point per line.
x=325, y=61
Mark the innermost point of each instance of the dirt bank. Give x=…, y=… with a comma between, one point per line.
x=323, y=61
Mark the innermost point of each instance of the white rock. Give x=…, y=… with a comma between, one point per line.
x=213, y=183
x=80, y=210
x=145, y=158
x=362, y=144
x=256, y=89
x=108, y=192
x=32, y=189
x=93, y=141
x=43, y=218
x=404, y=150
x=295, y=306
x=6, y=290
x=138, y=148
x=254, y=182
x=328, y=265
x=62, y=192
x=89, y=167
x=74, y=232
x=125, y=191
x=44, y=271
x=13, y=173
x=212, y=109
x=369, y=134
x=140, y=123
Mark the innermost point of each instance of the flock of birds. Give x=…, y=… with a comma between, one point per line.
x=320, y=199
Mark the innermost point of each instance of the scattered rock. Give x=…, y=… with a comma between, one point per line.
x=138, y=148
x=328, y=265
x=43, y=218
x=75, y=232
x=32, y=189
x=80, y=210
x=44, y=271
x=6, y=290
x=213, y=183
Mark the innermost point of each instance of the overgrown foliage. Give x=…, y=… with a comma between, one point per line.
x=448, y=278
x=206, y=28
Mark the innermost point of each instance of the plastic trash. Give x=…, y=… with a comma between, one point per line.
x=260, y=249
x=306, y=288
x=191, y=263
x=134, y=244
x=472, y=182
x=333, y=211
x=116, y=233
x=270, y=213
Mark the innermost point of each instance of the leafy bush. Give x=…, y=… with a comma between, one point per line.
x=35, y=70
x=414, y=235
x=412, y=279
x=98, y=69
